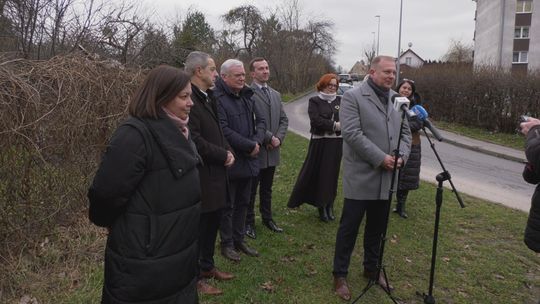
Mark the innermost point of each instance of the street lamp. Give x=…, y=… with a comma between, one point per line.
x=399, y=42
x=373, y=45
x=378, y=31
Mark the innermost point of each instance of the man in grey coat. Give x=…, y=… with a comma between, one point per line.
x=268, y=102
x=370, y=127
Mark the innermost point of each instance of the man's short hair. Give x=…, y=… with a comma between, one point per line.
x=194, y=60
x=228, y=64
x=252, y=62
x=375, y=62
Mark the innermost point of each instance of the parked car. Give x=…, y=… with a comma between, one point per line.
x=355, y=77
x=343, y=86
x=345, y=78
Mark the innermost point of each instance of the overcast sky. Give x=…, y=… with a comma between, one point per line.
x=428, y=25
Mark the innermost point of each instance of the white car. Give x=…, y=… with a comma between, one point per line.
x=343, y=86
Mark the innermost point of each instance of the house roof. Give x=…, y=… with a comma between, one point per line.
x=413, y=53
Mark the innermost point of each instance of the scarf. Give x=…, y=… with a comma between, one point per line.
x=180, y=123
x=382, y=93
x=328, y=97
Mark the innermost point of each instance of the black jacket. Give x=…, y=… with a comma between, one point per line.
x=212, y=146
x=323, y=115
x=409, y=176
x=531, y=174
x=242, y=126
x=146, y=191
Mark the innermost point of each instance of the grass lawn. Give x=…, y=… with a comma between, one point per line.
x=481, y=255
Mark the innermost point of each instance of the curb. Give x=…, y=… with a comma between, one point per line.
x=481, y=150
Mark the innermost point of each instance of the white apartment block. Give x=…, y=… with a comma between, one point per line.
x=507, y=34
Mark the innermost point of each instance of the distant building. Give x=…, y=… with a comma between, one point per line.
x=507, y=34
x=359, y=68
x=411, y=59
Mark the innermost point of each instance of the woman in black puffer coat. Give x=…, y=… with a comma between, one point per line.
x=409, y=176
x=147, y=193
x=531, y=174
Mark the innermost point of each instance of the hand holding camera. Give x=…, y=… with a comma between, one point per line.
x=526, y=123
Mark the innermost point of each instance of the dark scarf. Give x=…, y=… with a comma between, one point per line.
x=382, y=93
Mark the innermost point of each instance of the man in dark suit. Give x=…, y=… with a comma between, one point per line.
x=268, y=103
x=244, y=129
x=217, y=157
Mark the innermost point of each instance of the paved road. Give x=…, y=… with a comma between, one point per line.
x=478, y=174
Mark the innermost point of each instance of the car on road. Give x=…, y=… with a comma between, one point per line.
x=345, y=78
x=343, y=86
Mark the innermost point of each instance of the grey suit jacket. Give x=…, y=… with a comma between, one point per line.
x=276, y=123
x=370, y=131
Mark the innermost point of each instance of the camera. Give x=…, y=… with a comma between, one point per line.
x=523, y=118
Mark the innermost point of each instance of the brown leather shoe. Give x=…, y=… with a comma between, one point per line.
x=216, y=274
x=205, y=288
x=381, y=281
x=342, y=288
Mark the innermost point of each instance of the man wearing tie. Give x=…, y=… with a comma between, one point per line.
x=268, y=103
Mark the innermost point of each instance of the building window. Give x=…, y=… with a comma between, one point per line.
x=408, y=60
x=524, y=6
x=521, y=32
x=519, y=57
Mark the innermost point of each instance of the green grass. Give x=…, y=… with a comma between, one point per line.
x=481, y=255
x=514, y=140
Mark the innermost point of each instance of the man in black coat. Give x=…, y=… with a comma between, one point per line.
x=531, y=174
x=217, y=157
x=244, y=129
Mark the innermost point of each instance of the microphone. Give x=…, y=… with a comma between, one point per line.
x=423, y=115
x=402, y=104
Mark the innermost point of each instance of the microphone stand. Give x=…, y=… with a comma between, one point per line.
x=441, y=177
x=380, y=265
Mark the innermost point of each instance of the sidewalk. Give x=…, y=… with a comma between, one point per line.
x=483, y=147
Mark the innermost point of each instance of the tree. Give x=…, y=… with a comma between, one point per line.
x=248, y=20
x=459, y=52
x=195, y=33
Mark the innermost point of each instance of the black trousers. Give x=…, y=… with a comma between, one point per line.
x=232, y=226
x=265, y=179
x=208, y=230
x=353, y=213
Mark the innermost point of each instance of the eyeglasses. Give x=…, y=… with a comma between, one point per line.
x=408, y=80
x=332, y=85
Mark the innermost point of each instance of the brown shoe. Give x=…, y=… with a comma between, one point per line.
x=342, y=288
x=205, y=288
x=381, y=281
x=216, y=274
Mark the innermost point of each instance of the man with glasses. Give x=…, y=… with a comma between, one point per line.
x=244, y=129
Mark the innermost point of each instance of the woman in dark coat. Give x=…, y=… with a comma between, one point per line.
x=409, y=176
x=531, y=174
x=317, y=181
x=147, y=193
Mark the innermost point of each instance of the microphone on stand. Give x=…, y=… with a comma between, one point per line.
x=422, y=114
x=402, y=104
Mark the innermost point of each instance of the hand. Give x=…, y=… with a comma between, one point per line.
x=337, y=126
x=388, y=162
x=255, y=150
x=230, y=159
x=526, y=126
x=275, y=142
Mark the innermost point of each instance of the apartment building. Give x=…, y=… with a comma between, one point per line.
x=507, y=34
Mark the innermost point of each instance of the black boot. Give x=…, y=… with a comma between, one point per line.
x=330, y=212
x=401, y=196
x=323, y=215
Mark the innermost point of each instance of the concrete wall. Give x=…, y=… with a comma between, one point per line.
x=487, y=32
x=534, y=34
